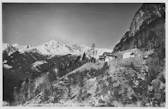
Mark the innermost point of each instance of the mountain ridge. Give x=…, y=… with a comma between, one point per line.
x=53, y=47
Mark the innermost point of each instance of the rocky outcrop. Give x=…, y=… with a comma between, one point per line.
x=147, y=30
x=147, y=13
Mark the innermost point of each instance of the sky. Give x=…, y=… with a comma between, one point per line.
x=83, y=23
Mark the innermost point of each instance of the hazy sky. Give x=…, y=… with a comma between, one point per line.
x=34, y=24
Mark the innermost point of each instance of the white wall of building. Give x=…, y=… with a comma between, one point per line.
x=128, y=55
x=107, y=59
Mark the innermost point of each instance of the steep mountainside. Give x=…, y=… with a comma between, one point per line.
x=17, y=70
x=147, y=30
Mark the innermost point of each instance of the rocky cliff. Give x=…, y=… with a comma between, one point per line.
x=147, y=30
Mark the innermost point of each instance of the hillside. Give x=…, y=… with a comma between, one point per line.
x=121, y=82
x=55, y=67
x=60, y=74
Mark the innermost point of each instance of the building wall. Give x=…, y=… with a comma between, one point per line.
x=107, y=59
x=127, y=55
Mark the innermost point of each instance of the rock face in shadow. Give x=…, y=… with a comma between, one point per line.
x=147, y=30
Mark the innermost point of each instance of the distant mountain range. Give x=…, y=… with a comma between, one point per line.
x=52, y=48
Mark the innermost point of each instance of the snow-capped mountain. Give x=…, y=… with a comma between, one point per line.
x=18, y=46
x=53, y=48
x=8, y=49
x=4, y=46
x=59, y=48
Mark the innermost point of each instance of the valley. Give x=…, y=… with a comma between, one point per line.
x=61, y=74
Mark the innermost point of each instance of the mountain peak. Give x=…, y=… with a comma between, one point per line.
x=15, y=45
x=147, y=13
x=53, y=43
x=18, y=46
x=146, y=29
x=5, y=45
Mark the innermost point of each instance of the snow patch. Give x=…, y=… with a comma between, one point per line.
x=15, y=45
x=5, y=61
x=38, y=63
x=7, y=66
x=43, y=50
x=21, y=51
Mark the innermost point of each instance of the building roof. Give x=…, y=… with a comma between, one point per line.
x=108, y=54
x=128, y=53
x=101, y=56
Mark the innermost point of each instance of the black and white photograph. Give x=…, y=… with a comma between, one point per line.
x=83, y=54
